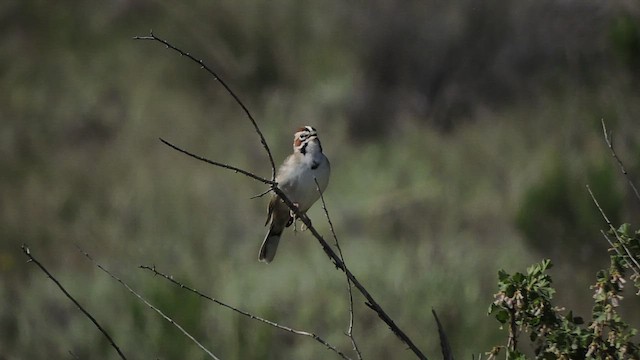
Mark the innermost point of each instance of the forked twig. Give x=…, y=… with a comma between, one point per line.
x=170, y=320
x=371, y=303
x=335, y=238
x=32, y=259
x=153, y=37
x=244, y=313
x=613, y=229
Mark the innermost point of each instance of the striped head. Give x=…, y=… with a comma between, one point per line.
x=306, y=140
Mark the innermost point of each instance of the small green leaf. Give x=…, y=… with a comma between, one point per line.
x=624, y=229
x=502, y=316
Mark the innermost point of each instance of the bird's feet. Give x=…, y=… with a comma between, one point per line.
x=294, y=219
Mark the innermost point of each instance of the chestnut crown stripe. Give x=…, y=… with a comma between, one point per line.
x=303, y=136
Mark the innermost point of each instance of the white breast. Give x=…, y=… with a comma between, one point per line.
x=297, y=178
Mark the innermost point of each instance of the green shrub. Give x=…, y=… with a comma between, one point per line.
x=524, y=304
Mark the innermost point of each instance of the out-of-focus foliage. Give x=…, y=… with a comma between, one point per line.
x=441, y=119
x=556, y=207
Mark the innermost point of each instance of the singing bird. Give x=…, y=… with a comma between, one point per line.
x=296, y=177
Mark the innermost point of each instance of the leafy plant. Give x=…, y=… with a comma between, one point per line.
x=524, y=304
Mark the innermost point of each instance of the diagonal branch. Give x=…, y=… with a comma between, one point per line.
x=371, y=303
x=153, y=37
x=613, y=229
x=171, y=321
x=32, y=259
x=244, y=313
x=609, y=140
x=335, y=238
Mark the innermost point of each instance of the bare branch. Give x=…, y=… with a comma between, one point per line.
x=149, y=304
x=32, y=259
x=233, y=168
x=217, y=77
x=447, y=354
x=371, y=303
x=244, y=313
x=609, y=140
x=335, y=238
x=261, y=194
x=613, y=229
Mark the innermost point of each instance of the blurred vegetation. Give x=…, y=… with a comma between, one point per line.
x=461, y=136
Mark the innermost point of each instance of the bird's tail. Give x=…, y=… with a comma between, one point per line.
x=270, y=243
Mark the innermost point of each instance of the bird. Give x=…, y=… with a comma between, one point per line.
x=296, y=177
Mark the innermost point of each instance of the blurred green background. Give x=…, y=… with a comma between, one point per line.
x=461, y=136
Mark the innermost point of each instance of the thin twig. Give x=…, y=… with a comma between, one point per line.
x=335, y=238
x=32, y=259
x=608, y=138
x=233, y=168
x=633, y=259
x=171, y=321
x=615, y=248
x=261, y=194
x=371, y=303
x=73, y=355
x=610, y=242
x=447, y=354
x=244, y=313
x=217, y=77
